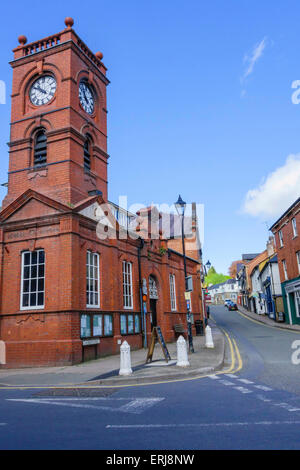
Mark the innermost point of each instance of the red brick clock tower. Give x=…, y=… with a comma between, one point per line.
x=57, y=167
x=58, y=137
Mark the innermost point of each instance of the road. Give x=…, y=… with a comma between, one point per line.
x=254, y=403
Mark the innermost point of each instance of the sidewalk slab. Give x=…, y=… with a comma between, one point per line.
x=268, y=321
x=105, y=371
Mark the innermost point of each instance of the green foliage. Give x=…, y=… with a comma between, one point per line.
x=215, y=278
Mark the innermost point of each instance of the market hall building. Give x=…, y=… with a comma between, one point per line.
x=68, y=295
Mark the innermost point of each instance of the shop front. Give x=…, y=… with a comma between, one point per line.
x=291, y=297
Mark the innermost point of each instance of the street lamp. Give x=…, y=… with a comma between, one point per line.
x=180, y=207
x=208, y=265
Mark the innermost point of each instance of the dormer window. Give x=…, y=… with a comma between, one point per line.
x=40, y=149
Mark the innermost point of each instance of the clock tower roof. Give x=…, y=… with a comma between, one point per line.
x=38, y=48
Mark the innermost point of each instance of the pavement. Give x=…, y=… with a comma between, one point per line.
x=105, y=371
x=268, y=321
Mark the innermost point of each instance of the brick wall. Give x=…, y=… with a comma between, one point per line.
x=291, y=244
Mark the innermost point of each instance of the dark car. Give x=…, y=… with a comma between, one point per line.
x=232, y=306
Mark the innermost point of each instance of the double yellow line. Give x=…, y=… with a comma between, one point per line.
x=236, y=358
x=236, y=366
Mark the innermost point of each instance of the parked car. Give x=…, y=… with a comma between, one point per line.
x=232, y=306
x=227, y=301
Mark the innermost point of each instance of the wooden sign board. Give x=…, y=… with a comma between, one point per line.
x=157, y=334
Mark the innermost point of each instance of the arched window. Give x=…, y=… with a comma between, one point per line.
x=87, y=154
x=40, y=149
x=153, y=293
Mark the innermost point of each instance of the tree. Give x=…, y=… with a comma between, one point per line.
x=215, y=278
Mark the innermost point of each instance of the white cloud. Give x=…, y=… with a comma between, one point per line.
x=250, y=61
x=277, y=192
x=255, y=55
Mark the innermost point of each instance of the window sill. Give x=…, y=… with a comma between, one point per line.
x=130, y=334
x=86, y=338
x=34, y=309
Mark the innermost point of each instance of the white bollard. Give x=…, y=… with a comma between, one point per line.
x=2, y=353
x=182, y=355
x=208, y=338
x=125, y=359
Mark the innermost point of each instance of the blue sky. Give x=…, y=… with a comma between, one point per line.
x=199, y=104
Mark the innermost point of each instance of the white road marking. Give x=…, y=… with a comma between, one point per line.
x=282, y=405
x=245, y=381
x=226, y=382
x=232, y=376
x=286, y=406
x=2, y=424
x=261, y=397
x=264, y=388
x=200, y=425
x=135, y=405
x=243, y=389
x=213, y=377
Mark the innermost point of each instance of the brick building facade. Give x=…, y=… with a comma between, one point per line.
x=68, y=292
x=287, y=231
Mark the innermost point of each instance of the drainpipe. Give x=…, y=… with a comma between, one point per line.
x=143, y=313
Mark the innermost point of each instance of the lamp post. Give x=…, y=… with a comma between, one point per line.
x=208, y=265
x=180, y=207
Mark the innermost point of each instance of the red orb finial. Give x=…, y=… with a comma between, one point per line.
x=69, y=22
x=99, y=55
x=22, y=40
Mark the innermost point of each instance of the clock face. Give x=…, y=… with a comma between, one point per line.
x=43, y=90
x=86, y=98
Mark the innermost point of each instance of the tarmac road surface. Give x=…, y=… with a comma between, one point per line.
x=254, y=403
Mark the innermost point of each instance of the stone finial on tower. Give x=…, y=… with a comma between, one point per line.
x=99, y=55
x=22, y=40
x=69, y=22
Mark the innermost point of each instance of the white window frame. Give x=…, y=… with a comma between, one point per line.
x=280, y=234
x=285, y=270
x=298, y=260
x=173, y=293
x=294, y=225
x=297, y=294
x=32, y=307
x=90, y=254
x=127, y=285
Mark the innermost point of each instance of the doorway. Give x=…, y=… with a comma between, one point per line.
x=153, y=313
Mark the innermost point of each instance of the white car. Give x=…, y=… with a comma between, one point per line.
x=227, y=301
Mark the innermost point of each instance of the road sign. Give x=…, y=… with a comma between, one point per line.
x=189, y=284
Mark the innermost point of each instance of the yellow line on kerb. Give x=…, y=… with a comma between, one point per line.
x=235, y=357
x=266, y=325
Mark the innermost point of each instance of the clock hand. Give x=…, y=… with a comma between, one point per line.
x=40, y=89
x=85, y=97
